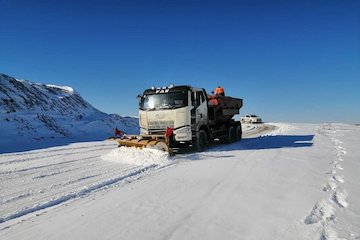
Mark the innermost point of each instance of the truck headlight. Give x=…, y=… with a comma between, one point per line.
x=184, y=130
x=144, y=131
x=183, y=134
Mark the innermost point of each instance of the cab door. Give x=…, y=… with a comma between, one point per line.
x=199, y=114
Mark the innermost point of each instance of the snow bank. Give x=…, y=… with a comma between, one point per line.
x=65, y=88
x=282, y=128
x=138, y=157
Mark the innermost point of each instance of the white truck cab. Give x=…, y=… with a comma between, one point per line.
x=187, y=112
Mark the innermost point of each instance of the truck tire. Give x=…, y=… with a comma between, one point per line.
x=231, y=137
x=238, y=133
x=201, y=142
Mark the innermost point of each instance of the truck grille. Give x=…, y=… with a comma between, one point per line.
x=157, y=132
x=161, y=124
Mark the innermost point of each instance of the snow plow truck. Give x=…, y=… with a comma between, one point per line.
x=177, y=117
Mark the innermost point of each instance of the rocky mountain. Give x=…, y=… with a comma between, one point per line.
x=33, y=113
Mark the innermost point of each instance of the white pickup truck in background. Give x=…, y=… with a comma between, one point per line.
x=250, y=118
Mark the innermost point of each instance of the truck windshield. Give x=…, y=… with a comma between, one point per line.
x=164, y=101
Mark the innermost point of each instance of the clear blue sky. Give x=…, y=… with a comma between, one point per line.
x=295, y=61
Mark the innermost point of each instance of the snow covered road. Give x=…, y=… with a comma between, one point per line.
x=299, y=181
x=40, y=179
x=35, y=180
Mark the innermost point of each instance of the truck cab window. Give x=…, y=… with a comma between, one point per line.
x=195, y=99
x=202, y=97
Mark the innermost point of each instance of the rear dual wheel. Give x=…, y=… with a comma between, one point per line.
x=234, y=134
x=238, y=133
x=231, y=136
x=201, y=141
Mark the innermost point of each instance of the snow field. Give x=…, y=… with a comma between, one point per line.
x=40, y=179
x=297, y=182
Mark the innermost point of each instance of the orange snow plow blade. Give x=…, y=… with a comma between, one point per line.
x=146, y=141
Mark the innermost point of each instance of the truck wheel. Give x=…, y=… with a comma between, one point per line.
x=231, y=135
x=201, y=142
x=238, y=133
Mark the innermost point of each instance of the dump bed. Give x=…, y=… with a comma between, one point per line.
x=223, y=108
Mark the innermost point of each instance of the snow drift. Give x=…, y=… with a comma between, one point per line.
x=134, y=156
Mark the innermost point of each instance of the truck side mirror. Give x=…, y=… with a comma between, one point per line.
x=139, y=98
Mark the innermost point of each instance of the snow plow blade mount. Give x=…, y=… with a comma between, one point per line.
x=148, y=141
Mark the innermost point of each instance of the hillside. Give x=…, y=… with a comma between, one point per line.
x=51, y=115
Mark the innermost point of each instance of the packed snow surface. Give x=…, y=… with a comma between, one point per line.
x=282, y=181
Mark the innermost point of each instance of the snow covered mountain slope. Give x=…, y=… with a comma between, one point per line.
x=50, y=115
x=300, y=181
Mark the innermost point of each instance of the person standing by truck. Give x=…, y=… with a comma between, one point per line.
x=118, y=133
x=219, y=91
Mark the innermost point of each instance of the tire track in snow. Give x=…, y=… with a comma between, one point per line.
x=53, y=173
x=36, y=157
x=22, y=165
x=325, y=210
x=45, y=166
x=21, y=194
x=56, y=149
x=42, y=183
x=37, y=190
x=86, y=190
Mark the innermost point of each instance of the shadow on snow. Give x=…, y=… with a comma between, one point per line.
x=267, y=142
x=258, y=143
